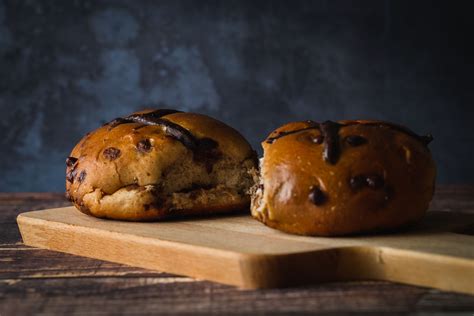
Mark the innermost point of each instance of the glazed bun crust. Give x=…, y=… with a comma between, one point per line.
x=156, y=164
x=373, y=176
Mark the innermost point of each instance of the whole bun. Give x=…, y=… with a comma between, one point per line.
x=156, y=164
x=346, y=177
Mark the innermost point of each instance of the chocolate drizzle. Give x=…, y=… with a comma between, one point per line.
x=171, y=129
x=423, y=139
x=330, y=136
x=136, y=118
x=314, y=125
x=116, y=122
x=155, y=118
x=158, y=113
x=330, y=132
x=205, y=149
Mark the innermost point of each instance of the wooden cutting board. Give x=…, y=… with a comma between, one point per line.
x=240, y=251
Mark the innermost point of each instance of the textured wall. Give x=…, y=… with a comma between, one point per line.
x=68, y=66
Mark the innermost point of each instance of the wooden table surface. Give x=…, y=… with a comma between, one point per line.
x=34, y=281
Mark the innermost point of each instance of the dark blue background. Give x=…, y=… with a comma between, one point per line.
x=68, y=66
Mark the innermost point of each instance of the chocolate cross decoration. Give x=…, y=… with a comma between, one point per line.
x=330, y=133
x=155, y=118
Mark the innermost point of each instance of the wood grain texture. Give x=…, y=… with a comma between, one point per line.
x=34, y=281
x=240, y=251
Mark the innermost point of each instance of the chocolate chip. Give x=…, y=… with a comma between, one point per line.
x=71, y=175
x=318, y=139
x=357, y=182
x=70, y=161
x=374, y=181
x=144, y=146
x=355, y=140
x=317, y=196
x=111, y=153
x=82, y=176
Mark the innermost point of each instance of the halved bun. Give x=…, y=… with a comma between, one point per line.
x=160, y=163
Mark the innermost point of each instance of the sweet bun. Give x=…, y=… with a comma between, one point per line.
x=346, y=177
x=156, y=164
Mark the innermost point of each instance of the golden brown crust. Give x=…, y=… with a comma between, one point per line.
x=135, y=171
x=382, y=178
